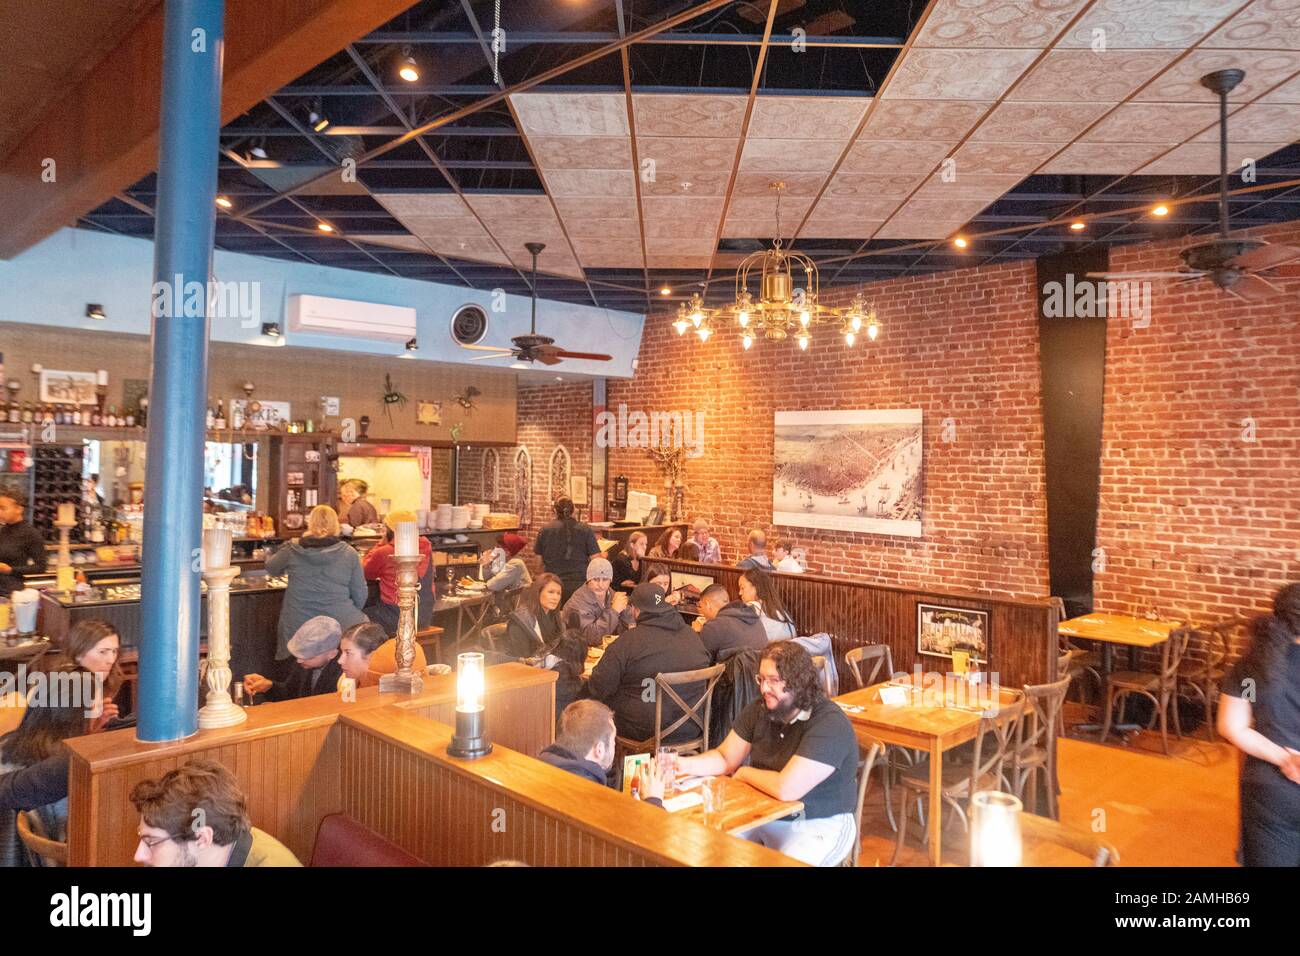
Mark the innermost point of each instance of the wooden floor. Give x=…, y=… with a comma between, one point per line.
x=1179, y=810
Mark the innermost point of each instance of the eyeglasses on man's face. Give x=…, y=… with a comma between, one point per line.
x=776, y=683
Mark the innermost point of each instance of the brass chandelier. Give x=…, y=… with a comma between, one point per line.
x=781, y=309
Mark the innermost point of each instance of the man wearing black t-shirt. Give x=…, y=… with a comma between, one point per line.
x=800, y=747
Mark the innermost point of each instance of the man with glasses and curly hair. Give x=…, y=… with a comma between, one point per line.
x=800, y=747
x=197, y=816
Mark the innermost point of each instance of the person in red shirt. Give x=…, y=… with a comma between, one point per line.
x=380, y=566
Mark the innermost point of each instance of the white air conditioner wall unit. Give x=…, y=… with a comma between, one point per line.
x=321, y=315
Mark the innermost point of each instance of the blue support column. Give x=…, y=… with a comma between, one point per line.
x=173, y=511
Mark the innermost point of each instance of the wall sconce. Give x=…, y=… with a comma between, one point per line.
x=271, y=329
x=411, y=345
x=470, y=739
x=95, y=311
x=994, y=829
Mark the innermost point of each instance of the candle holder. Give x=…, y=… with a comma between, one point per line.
x=405, y=680
x=219, y=710
x=63, y=566
x=994, y=829
x=470, y=739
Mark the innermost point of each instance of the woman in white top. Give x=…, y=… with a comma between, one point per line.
x=757, y=589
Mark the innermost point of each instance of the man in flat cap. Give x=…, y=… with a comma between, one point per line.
x=315, y=646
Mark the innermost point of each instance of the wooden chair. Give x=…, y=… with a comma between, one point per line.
x=1161, y=688
x=492, y=635
x=1200, y=677
x=43, y=850
x=962, y=780
x=1042, y=830
x=1035, y=749
x=871, y=664
x=430, y=639
x=864, y=783
x=697, y=713
x=1079, y=662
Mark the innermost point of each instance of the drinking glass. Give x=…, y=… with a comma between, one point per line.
x=713, y=791
x=666, y=760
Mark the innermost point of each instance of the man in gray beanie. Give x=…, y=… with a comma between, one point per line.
x=315, y=645
x=595, y=610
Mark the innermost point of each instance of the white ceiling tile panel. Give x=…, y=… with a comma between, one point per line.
x=956, y=74
x=1148, y=24
x=996, y=23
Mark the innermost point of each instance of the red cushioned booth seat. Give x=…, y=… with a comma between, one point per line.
x=342, y=841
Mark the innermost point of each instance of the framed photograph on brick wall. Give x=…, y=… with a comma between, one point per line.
x=849, y=471
x=941, y=630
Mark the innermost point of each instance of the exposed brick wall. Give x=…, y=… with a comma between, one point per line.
x=1196, y=521
x=961, y=345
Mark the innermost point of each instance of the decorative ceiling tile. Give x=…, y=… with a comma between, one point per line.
x=924, y=119
x=913, y=228
x=571, y=209
x=1259, y=123
x=968, y=185
x=793, y=155
x=613, y=259
x=835, y=207
x=760, y=184
x=996, y=23
x=697, y=208
x=582, y=152
x=441, y=205
x=956, y=74
x=409, y=243
x=483, y=250
x=619, y=248
x=1264, y=25
x=571, y=114
x=590, y=182
x=679, y=262
x=466, y=227
x=1148, y=24
x=675, y=247
x=684, y=153
x=493, y=208
x=1288, y=92
x=1039, y=122
x=755, y=228
x=668, y=181
x=899, y=158
x=840, y=228
x=690, y=114
x=801, y=117
x=1203, y=158
x=1068, y=76
x=547, y=230
x=943, y=209
x=1153, y=123
x=603, y=229
x=1022, y=158
x=871, y=186
x=1107, y=159
x=674, y=228
x=793, y=208
x=1181, y=82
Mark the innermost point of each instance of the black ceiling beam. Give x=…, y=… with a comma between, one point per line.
x=521, y=38
x=238, y=132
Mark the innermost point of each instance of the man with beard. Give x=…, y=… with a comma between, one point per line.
x=800, y=747
x=197, y=816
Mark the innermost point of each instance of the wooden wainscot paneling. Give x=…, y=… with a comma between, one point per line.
x=286, y=757
x=399, y=781
x=860, y=612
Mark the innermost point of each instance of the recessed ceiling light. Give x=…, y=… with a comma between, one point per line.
x=1078, y=226
x=960, y=242
x=1160, y=210
x=324, y=227
x=223, y=202
x=407, y=68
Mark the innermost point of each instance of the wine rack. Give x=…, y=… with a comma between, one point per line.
x=57, y=478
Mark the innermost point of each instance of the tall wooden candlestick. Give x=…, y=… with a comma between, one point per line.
x=405, y=681
x=219, y=710
x=63, y=566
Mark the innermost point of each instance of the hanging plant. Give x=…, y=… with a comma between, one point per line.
x=392, y=397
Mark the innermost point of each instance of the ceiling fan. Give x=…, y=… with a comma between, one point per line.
x=1234, y=265
x=533, y=347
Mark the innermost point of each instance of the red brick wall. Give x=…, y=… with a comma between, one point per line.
x=1197, y=522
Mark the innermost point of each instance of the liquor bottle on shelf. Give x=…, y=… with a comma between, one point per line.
x=236, y=416
x=142, y=418
x=76, y=415
x=14, y=413
x=97, y=417
x=212, y=418
x=111, y=419
x=28, y=415
x=219, y=422
x=129, y=419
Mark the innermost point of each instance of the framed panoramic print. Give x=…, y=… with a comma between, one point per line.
x=941, y=630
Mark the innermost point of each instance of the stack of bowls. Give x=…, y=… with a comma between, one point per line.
x=442, y=518
x=460, y=517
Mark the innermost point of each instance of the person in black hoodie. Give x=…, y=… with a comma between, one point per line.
x=315, y=645
x=726, y=626
x=584, y=747
x=22, y=549
x=659, y=643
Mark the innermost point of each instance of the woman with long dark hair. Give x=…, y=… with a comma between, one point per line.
x=1259, y=713
x=535, y=635
x=629, y=562
x=669, y=543
x=64, y=709
x=565, y=545
x=758, y=589
x=95, y=645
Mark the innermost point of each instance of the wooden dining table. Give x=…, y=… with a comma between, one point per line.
x=744, y=807
x=934, y=724
x=1111, y=631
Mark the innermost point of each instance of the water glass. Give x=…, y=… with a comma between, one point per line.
x=666, y=760
x=713, y=791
